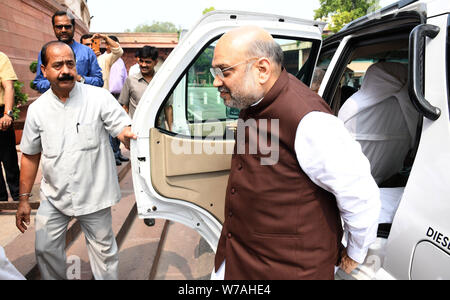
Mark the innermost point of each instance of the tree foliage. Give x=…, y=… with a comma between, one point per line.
x=20, y=99
x=200, y=70
x=156, y=27
x=341, y=12
x=207, y=10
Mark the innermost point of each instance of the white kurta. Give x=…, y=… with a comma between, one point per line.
x=79, y=175
x=382, y=118
x=333, y=160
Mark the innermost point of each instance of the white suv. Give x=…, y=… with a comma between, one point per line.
x=180, y=170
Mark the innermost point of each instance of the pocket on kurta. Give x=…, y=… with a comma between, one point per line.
x=87, y=136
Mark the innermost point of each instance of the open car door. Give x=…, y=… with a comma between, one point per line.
x=182, y=157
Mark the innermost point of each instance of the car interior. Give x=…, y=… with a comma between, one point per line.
x=396, y=110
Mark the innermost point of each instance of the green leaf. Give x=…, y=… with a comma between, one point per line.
x=341, y=12
x=33, y=66
x=20, y=98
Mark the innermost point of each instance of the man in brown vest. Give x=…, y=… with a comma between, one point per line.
x=283, y=213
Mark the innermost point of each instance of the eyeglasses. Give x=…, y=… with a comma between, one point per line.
x=219, y=72
x=64, y=26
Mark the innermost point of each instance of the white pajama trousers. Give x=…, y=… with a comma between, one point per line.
x=51, y=228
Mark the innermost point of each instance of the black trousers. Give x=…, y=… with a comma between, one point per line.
x=115, y=142
x=8, y=158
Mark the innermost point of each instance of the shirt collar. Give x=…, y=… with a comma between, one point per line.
x=257, y=102
x=72, y=93
x=139, y=76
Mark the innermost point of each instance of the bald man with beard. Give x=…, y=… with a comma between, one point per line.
x=283, y=218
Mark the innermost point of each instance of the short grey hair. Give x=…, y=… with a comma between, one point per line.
x=269, y=49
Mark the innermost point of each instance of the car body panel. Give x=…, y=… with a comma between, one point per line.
x=424, y=205
x=425, y=202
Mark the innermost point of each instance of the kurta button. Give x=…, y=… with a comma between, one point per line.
x=229, y=235
x=233, y=190
x=239, y=166
x=230, y=214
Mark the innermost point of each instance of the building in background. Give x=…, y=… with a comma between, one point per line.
x=132, y=41
x=25, y=26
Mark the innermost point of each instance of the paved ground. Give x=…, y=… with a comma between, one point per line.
x=8, y=229
x=185, y=255
x=182, y=255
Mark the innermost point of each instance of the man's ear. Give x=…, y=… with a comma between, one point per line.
x=43, y=71
x=264, y=70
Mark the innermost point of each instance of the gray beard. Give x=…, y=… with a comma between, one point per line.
x=242, y=98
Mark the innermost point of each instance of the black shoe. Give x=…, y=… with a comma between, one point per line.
x=123, y=158
x=118, y=163
x=149, y=222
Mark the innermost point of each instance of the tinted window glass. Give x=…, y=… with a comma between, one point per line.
x=320, y=70
x=195, y=100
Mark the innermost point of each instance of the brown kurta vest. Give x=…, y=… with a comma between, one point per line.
x=278, y=223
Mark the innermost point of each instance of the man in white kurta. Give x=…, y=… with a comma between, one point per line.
x=69, y=125
x=382, y=118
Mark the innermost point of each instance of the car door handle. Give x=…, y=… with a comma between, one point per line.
x=416, y=71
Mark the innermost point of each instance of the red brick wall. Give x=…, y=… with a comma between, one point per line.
x=25, y=26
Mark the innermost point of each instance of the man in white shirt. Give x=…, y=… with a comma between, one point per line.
x=282, y=220
x=382, y=118
x=69, y=125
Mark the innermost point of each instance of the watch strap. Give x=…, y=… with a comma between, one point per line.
x=9, y=113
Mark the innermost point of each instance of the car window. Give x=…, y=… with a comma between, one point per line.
x=321, y=68
x=356, y=69
x=196, y=105
x=353, y=75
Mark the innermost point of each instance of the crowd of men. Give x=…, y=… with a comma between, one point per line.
x=65, y=70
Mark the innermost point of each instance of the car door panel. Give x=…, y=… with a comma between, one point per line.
x=425, y=202
x=197, y=178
